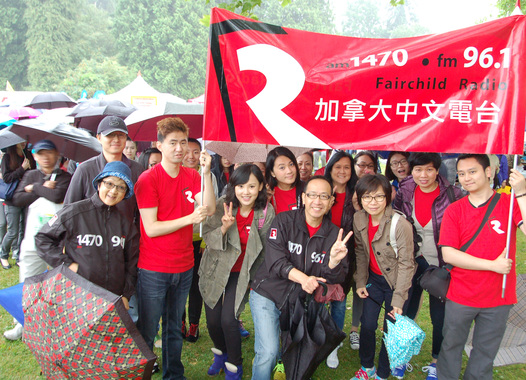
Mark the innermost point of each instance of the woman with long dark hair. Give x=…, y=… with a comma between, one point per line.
x=14, y=164
x=222, y=169
x=283, y=179
x=149, y=158
x=342, y=177
x=235, y=239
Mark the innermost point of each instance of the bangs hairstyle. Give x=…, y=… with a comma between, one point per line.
x=369, y=183
x=388, y=171
x=418, y=159
x=371, y=155
x=269, y=165
x=241, y=176
x=334, y=159
x=482, y=159
x=308, y=153
x=169, y=125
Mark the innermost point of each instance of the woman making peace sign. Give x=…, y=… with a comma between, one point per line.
x=235, y=239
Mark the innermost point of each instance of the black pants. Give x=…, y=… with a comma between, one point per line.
x=195, y=301
x=437, y=308
x=379, y=291
x=223, y=326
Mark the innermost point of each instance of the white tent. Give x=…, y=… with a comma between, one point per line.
x=142, y=95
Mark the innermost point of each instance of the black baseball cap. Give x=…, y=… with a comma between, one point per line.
x=111, y=124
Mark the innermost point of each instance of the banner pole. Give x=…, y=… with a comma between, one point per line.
x=202, y=195
x=508, y=236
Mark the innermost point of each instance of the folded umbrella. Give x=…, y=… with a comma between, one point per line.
x=71, y=142
x=308, y=336
x=77, y=329
x=51, y=100
x=403, y=340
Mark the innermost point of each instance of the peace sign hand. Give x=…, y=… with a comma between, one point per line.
x=339, y=249
x=227, y=219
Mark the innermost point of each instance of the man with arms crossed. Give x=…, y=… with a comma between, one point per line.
x=475, y=291
x=165, y=195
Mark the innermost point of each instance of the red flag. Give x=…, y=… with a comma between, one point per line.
x=461, y=91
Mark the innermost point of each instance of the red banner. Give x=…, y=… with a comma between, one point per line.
x=461, y=91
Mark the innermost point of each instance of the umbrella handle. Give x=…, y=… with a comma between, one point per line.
x=324, y=286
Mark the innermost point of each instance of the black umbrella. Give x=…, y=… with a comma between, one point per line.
x=90, y=117
x=8, y=138
x=77, y=329
x=96, y=103
x=308, y=336
x=50, y=100
x=71, y=142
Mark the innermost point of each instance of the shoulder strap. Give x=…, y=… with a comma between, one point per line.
x=261, y=221
x=491, y=206
x=392, y=231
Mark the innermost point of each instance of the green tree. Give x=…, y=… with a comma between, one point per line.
x=314, y=16
x=13, y=65
x=52, y=40
x=506, y=7
x=93, y=75
x=362, y=19
x=95, y=29
x=164, y=40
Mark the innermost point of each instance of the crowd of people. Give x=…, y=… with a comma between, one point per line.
x=271, y=233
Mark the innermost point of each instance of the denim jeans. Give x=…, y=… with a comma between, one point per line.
x=164, y=294
x=266, y=331
x=338, y=312
x=12, y=239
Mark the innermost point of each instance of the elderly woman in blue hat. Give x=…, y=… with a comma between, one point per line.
x=93, y=238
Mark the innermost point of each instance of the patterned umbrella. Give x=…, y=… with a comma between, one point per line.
x=403, y=340
x=78, y=329
x=247, y=152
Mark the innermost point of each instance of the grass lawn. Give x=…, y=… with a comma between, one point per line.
x=17, y=362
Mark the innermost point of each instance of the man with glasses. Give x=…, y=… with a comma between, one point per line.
x=112, y=133
x=303, y=247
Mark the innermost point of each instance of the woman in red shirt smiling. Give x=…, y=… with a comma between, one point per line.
x=235, y=239
x=283, y=179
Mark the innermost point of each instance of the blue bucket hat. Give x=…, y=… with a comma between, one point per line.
x=116, y=169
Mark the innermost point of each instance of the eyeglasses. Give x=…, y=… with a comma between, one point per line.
x=378, y=198
x=322, y=196
x=363, y=166
x=402, y=162
x=110, y=185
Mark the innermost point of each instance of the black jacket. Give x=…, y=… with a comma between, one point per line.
x=21, y=198
x=290, y=246
x=99, y=238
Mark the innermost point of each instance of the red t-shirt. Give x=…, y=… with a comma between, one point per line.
x=423, y=203
x=174, y=198
x=373, y=264
x=337, y=209
x=475, y=288
x=227, y=176
x=313, y=230
x=284, y=200
x=243, y=227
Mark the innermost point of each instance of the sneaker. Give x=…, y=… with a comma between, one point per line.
x=193, y=333
x=155, y=368
x=15, y=333
x=365, y=374
x=354, y=339
x=184, y=331
x=332, y=359
x=219, y=363
x=431, y=370
x=244, y=333
x=399, y=371
x=279, y=371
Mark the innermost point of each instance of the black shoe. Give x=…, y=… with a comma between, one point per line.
x=193, y=333
x=155, y=368
x=8, y=266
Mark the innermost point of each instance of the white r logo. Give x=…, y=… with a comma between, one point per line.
x=496, y=226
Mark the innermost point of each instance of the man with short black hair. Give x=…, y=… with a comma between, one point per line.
x=166, y=195
x=475, y=291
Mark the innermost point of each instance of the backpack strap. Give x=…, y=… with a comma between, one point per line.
x=261, y=221
x=392, y=232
